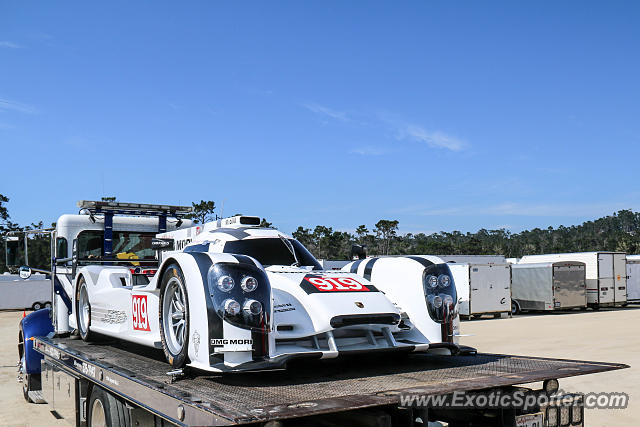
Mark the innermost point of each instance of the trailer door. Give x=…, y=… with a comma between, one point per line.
x=633, y=281
x=606, y=281
x=620, y=277
x=569, y=287
x=490, y=288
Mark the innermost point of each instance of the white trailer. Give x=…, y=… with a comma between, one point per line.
x=18, y=294
x=330, y=264
x=548, y=286
x=606, y=275
x=633, y=278
x=474, y=259
x=482, y=288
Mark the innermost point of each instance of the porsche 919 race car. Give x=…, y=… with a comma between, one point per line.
x=232, y=296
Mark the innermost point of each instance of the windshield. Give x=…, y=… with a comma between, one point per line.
x=272, y=251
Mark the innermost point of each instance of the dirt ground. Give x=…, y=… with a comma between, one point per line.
x=607, y=335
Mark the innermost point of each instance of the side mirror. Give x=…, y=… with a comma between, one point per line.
x=25, y=272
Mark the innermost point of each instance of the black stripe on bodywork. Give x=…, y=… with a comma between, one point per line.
x=423, y=261
x=214, y=321
x=354, y=266
x=243, y=259
x=235, y=232
x=368, y=268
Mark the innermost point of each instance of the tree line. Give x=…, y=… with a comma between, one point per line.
x=617, y=232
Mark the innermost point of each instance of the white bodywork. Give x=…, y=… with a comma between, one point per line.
x=401, y=280
x=606, y=274
x=309, y=312
x=633, y=278
x=482, y=288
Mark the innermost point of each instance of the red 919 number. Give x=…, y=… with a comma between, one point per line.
x=336, y=284
x=139, y=313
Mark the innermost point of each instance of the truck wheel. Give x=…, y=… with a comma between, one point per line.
x=174, y=316
x=515, y=308
x=83, y=311
x=36, y=306
x=104, y=409
x=47, y=305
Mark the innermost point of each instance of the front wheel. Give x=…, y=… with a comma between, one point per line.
x=174, y=316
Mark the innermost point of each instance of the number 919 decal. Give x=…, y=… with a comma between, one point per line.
x=313, y=283
x=140, y=316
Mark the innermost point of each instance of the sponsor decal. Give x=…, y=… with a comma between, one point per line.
x=315, y=283
x=221, y=342
x=196, y=342
x=281, y=308
x=140, y=316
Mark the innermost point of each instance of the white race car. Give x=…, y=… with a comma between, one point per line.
x=231, y=296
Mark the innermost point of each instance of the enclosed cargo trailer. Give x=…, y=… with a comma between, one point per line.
x=482, y=288
x=633, y=278
x=548, y=286
x=606, y=275
x=18, y=294
x=474, y=259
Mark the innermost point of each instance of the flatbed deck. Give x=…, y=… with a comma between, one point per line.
x=139, y=375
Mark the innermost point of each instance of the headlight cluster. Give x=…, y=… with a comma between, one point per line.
x=440, y=293
x=246, y=305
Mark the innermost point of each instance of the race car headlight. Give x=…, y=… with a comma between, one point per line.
x=249, y=283
x=230, y=302
x=432, y=281
x=444, y=280
x=231, y=307
x=226, y=283
x=252, y=307
x=440, y=293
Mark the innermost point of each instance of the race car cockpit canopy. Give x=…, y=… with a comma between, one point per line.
x=274, y=251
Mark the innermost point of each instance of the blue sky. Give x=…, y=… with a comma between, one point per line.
x=445, y=116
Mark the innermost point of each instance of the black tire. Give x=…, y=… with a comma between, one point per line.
x=176, y=359
x=83, y=330
x=104, y=405
x=595, y=307
x=36, y=306
x=515, y=308
x=47, y=304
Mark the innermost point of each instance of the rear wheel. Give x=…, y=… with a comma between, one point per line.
x=83, y=311
x=47, y=305
x=36, y=306
x=515, y=308
x=104, y=409
x=174, y=316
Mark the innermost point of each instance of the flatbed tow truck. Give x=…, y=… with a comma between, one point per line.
x=135, y=386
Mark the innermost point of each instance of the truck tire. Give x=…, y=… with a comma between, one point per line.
x=47, y=304
x=174, y=317
x=515, y=308
x=83, y=311
x=36, y=306
x=104, y=409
